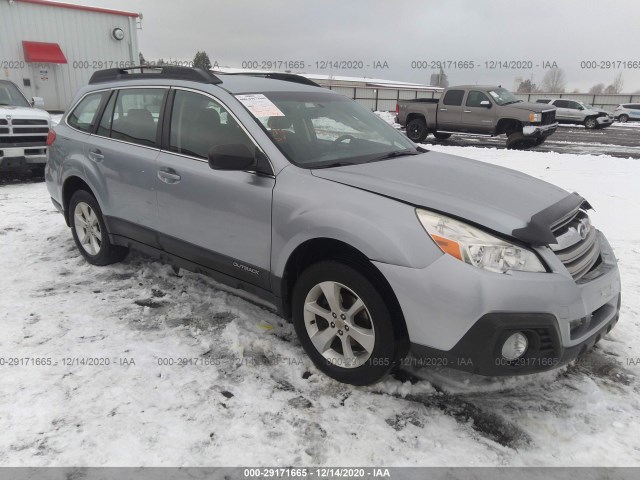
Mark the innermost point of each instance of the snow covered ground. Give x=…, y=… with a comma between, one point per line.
x=197, y=376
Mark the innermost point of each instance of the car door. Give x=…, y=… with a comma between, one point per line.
x=122, y=156
x=574, y=111
x=562, y=112
x=215, y=218
x=478, y=117
x=450, y=111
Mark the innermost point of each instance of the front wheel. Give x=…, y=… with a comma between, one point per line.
x=417, y=130
x=540, y=140
x=344, y=324
x=89, y=231
x=519, y=141
x=623, y=118
x=590, y=123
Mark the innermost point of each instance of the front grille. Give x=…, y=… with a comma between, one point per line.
x=577, y=244
x=28, y=130
x=3, y=122
x=548, y=117
x=32, y=140
x=28, y=121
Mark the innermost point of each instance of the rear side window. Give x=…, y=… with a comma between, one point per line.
x=199, y=123
x=474, y=98
x=84, y=115
x=453, y=97
x=135, y=115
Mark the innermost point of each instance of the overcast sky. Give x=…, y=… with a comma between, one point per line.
x=399, y=32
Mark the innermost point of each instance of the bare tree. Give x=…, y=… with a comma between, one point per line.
x=527, y=86
x=554, y=81
x=597, y=89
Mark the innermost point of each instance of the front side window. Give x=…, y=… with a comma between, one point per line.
x=84, y=115
x=135, y=115
x=474, y=98
x=199, y=123
x=574, y=105
x=561, y=104
x=318, y=129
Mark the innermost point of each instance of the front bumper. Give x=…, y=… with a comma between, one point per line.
x=604, y=121
x=539, y=130
x=15, y=159
x=458, y=315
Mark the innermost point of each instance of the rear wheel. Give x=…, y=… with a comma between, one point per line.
x=441, y=135
x=344, y=324
x=590, y=123
x=417, y=130
x=623, y=118
x=89, y=231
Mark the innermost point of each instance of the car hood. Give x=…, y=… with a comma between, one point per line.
x=531, y=107
x=23, y=112
x=500, y=199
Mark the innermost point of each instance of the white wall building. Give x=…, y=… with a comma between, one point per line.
x=50, y=49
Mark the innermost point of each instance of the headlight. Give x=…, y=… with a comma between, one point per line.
x=476, y=247
x=535, y=117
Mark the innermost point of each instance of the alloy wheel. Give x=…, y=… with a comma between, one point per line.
x=87, y=228
x=339, y=324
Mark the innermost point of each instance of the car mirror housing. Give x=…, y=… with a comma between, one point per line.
x=485, y=103
x=37, y=102
x=231, y=156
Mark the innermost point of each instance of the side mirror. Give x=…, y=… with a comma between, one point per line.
x=485, y=104
x=231, y=156
x=37, y=102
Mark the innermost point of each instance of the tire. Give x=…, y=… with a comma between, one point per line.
x=441, y=135
x=540, y=140
x=417, y=130
x=623, y=118
x=590, y=123
x=85, y=218
x=519, y=141
x=375, y=349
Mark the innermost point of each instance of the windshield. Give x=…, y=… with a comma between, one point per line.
x=320, y=130
x=10, y=95
x=587, y=106
x=503, y=97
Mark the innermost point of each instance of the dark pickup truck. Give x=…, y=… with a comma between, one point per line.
x=478, y=110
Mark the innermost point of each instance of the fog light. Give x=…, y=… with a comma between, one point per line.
x=515, y=346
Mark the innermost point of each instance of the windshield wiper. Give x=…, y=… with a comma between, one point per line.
x=394, y=154
x=515, y=101
x=335, y=164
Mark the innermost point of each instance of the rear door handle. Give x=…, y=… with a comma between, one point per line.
x=169, y=175
x=96, y=155
x=467, y=111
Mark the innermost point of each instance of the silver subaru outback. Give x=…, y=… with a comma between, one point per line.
x=371, y=245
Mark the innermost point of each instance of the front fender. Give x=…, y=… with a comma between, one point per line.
x=383, y=229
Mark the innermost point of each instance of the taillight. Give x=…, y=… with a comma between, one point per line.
x=51, y=137
x=397, y=109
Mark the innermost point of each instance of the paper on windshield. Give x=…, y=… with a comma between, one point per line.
x=259, y=105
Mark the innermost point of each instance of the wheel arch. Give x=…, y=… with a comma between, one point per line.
x=70, y=186
x=320, y=249
x=505, y=125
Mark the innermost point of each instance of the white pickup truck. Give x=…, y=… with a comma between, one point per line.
x=24, y=129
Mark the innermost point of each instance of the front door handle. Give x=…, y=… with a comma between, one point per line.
x=467, y=111
x=443, y=109
x=169, y=175
x=96, y=155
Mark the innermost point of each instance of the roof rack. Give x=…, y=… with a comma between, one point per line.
x=151, y=71
x=287, y=77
